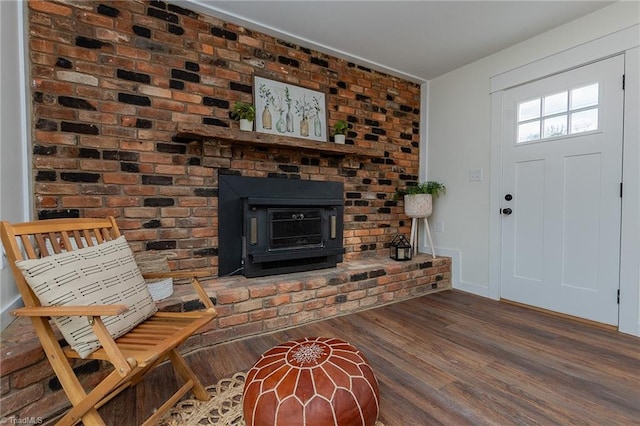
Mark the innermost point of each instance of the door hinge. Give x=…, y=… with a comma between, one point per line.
x=623, y=81
x=620, y=189
x=618, y=296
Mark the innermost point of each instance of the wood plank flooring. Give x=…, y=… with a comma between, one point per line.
x=452, y=358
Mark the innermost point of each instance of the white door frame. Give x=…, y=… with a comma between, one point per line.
x=625, y=41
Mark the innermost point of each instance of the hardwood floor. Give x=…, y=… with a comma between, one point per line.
x=452, y=358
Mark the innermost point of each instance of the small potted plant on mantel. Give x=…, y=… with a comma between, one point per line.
x=340, y=131
x=245, y=113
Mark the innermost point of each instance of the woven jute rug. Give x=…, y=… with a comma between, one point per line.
x=224, y=408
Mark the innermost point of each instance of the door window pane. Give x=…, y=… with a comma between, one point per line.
x=583, y=97
x=584, y=121
x=569, y=112
x=555, y=104
x=529, y=131
x=555, y=126
x=528, y=110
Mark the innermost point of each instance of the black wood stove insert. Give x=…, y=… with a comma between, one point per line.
x=270, y=226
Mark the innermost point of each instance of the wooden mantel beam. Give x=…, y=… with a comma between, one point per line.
x=235, y=136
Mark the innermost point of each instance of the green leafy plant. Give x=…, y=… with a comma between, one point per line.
x=265, y=93
x=432, y=187
x=340, y=128
x=243, y=110
x=287, y=97
x=316, y=106
x=303, y=108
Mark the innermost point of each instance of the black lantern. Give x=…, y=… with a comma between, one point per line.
x=400, y=248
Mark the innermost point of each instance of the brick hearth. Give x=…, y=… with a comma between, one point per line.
x=257, y=305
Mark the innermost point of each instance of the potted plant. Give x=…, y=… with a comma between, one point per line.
x=418, y=199
x=340, y=130
x=246, y=113
x=418, y=204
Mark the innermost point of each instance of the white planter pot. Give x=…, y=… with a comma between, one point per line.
x=418, y=205
x=246, y=125
x=339, y=138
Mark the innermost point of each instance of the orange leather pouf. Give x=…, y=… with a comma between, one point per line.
x=315, y=381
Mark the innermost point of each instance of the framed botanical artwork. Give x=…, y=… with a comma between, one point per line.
x=288, y=110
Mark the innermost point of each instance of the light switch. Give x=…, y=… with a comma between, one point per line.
x=475, y=175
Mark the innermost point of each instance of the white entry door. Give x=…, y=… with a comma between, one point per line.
x=561, y=202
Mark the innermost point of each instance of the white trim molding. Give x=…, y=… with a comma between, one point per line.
x=15, y=160
x=456, y=273
x=593, y=51
x=629, y=321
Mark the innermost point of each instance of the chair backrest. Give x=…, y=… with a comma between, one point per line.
x=32, y=240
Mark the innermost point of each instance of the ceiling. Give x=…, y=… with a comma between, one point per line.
x=417, y=40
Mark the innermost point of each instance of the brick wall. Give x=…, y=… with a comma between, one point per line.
x=111, y=81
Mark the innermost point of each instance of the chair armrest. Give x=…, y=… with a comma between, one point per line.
x=122, y=365
x=176, y=274
x=60, y=311
x=202, y=294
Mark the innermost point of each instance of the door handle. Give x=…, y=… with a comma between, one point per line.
x=506, y=211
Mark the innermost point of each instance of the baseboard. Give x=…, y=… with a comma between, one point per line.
x=5, y=317
x=456, y=265
x=472, y=288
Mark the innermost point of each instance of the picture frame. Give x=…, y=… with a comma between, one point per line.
x=286, y=109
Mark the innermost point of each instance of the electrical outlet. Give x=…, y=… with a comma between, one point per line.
x=439, y=226
x=475, y=175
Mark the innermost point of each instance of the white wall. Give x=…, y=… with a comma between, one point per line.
x=14, y=160
x=459, y=139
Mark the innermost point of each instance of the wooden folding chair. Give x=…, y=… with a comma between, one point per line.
x=132, y=355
